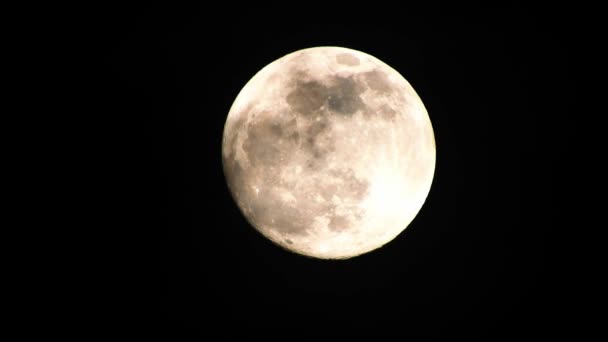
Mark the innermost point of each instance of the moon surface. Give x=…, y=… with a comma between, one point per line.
x=328, y=152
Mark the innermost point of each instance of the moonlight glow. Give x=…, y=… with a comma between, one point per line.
x=329, y=152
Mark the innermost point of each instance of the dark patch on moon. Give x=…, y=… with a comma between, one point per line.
x=276, y=129
x=294, y=137
x=344, y=97
x=347, y=59
x=387, y=112
x=341, y=97
x=307, y=97
x=378, y=80
x=338, y=223
x=318, y=140
x=269, y=141
x=289, y=241
x=318, y=127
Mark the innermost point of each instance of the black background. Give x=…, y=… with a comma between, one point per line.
x=477, y=261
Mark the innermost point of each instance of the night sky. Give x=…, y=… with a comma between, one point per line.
x=477, y=261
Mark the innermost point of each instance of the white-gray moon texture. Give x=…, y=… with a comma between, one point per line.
x=329, y=152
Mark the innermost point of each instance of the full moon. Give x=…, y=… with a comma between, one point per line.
x=328, y=152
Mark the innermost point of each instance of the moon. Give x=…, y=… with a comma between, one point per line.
x=328, y=152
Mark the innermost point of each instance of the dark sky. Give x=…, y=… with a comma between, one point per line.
x=476, y=262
